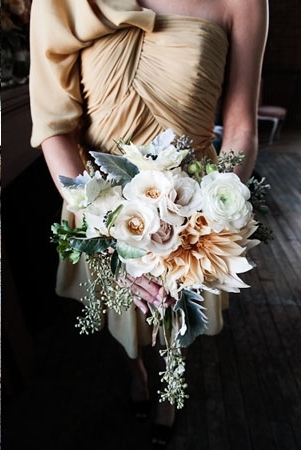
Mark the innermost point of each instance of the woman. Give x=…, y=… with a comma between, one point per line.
x=105, y=69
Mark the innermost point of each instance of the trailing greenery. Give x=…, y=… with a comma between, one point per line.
x=103, y=293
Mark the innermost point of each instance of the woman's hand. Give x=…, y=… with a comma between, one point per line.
x=148, y=290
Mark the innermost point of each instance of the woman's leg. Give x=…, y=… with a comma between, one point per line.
x=139, y=383
x=139, y=391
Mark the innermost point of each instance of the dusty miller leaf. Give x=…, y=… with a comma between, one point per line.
x=195, y=319
x=128, y=252
x=118, y=168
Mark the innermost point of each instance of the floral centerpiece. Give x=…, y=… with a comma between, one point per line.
x=157, y=211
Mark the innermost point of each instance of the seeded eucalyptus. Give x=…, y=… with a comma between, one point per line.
x=103, y=292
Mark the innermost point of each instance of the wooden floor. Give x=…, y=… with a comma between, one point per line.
x=244, y=384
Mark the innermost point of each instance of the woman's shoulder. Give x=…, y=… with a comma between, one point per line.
x=246, y=10
x=248, y=21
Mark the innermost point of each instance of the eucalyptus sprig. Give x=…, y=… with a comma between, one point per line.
x=258, y=194
x=172, y=377
x=103, y=292
x=258, y=189
x=227, y=161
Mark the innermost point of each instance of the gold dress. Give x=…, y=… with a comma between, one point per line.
x=115, y=69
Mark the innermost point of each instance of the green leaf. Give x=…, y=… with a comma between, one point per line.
x=74, y=257
x=62, y=233
x=66, y=252
x=195, y=319
x=112, y=216
x=90, y=246
x=118, y=168
x=115, y=263
x=128, y=252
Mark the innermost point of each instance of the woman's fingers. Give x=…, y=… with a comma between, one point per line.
x=141, y=304
x=145, y=289
x=149, y=290
x=148, y=284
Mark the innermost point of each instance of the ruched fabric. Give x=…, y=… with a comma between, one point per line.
x=139, y=75
x=140, y=83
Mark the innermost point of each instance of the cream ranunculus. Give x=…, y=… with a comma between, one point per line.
x=135, y=224
x=225, y=201
x=160, y=154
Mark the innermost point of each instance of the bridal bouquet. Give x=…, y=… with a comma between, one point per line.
x=157, y=211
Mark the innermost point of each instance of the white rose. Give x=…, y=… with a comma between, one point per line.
x=149, y=186
x=135, y=224
x=225, y=201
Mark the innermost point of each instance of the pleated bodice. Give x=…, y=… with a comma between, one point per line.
x=138, y=83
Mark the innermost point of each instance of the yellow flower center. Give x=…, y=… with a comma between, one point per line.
x=152, y=192
x=136, y=225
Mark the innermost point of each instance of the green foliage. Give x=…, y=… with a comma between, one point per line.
x=127, y=251
x=73, y=242
x=173, y=377
x=195, y=320
x=103, y=292
x=91, y=320
x=263, y=233
x=117, y=168
x=90, y=246
x=112, y=216
x=61, y=234
x=258, y=192
x=115, y=264
x=227, y=161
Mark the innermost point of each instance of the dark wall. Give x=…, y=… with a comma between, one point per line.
x=282, y=59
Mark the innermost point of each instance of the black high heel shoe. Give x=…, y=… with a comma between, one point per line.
x=161, y=435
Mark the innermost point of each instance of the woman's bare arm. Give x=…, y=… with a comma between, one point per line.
x=62, y=157
x=248, y=33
